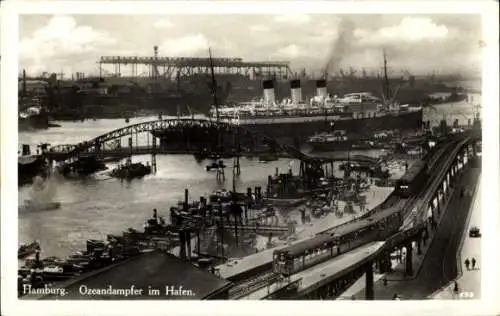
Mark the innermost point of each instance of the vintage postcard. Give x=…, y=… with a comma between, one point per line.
x=170, y=152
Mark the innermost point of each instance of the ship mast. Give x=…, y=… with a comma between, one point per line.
x=214, y=85
x=386, y=79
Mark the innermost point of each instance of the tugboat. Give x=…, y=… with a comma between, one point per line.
x=131, y=170
x=29, y=166
x=216, y=165
x=339, y=140
x=84, y=166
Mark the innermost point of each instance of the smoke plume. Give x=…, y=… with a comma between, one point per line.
x=340, y=45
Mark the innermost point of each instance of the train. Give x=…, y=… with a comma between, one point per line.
x=324, y=246
x=413, y=180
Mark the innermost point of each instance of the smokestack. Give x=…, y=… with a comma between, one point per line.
x=269, y=97
x=321, y=88
x=296, y=91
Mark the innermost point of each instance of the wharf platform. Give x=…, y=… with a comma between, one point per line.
x=259, y=262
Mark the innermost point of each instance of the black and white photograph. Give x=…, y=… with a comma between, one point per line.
x=285, y=156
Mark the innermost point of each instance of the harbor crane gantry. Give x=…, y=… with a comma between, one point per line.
x=170, y=67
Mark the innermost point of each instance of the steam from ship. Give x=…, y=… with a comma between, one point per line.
x=341, y=44
x=269, y=96
x=321, y=89
x=296, y=91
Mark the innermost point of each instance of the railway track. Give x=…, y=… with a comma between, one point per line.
x=427, y=196
x=248, y=286
x=435, y=167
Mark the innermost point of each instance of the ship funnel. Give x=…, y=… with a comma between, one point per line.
x=296, y=91
x=269, y=97
x=321, y=88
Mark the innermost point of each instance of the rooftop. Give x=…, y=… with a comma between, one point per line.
x=155, y=269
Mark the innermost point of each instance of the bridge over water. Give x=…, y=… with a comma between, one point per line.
x=237, y=141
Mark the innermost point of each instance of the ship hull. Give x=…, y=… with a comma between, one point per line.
x=40, y=121
x=29, y=167
x=297, y=130
x=35, y=121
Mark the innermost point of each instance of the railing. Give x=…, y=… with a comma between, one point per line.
x=189, y=61
x=289, y=287
x=437, y=180
x=255, y=228
x=398, y=238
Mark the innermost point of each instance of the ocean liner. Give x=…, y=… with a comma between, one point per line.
x=294, y=119
x=358, y=113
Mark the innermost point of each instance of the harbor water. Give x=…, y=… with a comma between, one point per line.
x=99, y=205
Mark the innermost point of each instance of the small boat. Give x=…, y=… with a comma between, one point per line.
x=27, y=250
x=93, y=244
x=30, y=206
x=216, y=165
x=58, y=272
x=83, y=166
x=131, y=171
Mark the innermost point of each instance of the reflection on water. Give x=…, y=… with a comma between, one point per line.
x=94, y=207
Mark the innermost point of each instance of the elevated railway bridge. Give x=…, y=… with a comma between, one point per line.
x=333, y=269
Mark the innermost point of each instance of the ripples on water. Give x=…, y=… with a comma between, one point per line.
x=94, y=207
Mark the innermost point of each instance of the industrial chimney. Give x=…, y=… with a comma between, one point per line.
x=321, y=88
x=296, y=91
x=269, y=97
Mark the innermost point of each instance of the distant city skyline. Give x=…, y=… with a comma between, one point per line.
x=420, y=44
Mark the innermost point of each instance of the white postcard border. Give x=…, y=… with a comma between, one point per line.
x=490, y=175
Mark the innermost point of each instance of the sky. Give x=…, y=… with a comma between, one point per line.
x=418, y=43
